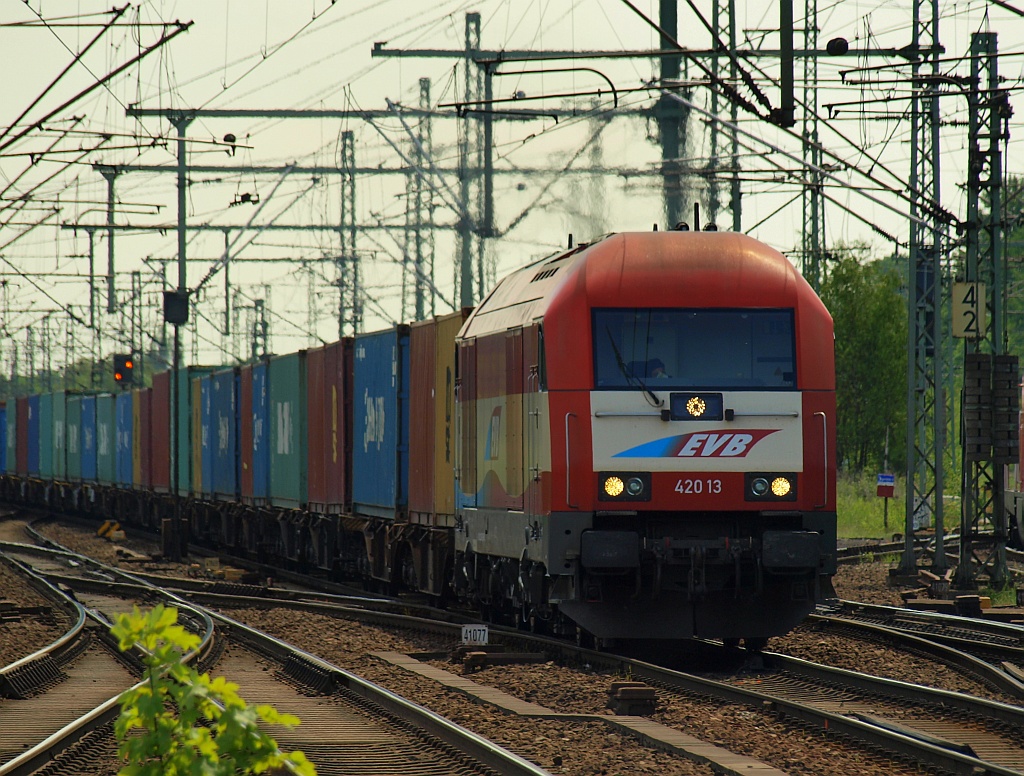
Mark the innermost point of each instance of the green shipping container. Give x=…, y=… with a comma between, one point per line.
x=196, y=393
x=287, y=403
x=74, y=437
x=106, y=471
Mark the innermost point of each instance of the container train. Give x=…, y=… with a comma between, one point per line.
x=632, y=439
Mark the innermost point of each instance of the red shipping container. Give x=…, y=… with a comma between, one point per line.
x=316, y=464
x=160, y=436
x=142, y=468
x=422, y=357
x=21, y=429
x=245, y=433
x=329, y=433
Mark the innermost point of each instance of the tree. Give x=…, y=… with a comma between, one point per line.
x=870, y=319
x=191, y=724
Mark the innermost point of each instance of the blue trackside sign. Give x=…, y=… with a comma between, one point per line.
x=886, y=485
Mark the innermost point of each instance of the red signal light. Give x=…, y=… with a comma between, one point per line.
x=124, y=369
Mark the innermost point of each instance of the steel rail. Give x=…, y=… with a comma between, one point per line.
x=470, y=744
x=974, y=666
x=34, y=758
x=874, y=733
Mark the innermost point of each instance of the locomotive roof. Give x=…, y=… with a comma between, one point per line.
x=719, y=268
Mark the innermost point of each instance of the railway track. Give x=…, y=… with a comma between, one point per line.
x=348, y=725
x=949, y=731
x=992, y=652
x=870, y=715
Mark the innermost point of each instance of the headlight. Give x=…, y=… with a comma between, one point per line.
x=623, y=486
x=613, y=486
x=770, y=486
x=696, y=406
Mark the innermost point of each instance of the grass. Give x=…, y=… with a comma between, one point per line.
x=1004, y=596
x=861, y=513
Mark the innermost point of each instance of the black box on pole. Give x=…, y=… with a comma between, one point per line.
x=176, y=307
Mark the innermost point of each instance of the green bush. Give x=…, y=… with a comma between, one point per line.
x=184, y=732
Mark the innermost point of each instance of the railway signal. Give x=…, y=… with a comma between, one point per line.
x=124, y=369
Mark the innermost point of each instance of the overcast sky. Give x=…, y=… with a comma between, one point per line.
x=317, y=55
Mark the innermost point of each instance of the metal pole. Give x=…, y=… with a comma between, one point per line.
x=92, y=279
x=111, y=302
x=176, y=539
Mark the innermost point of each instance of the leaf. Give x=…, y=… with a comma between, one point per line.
x=196, y=738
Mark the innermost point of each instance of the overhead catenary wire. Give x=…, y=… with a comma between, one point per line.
x=793, y=157
x=263, y=203
x=77, y=59
x=180, y=28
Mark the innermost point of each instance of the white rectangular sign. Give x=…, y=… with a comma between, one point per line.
x=475, y=635
x=969, y=320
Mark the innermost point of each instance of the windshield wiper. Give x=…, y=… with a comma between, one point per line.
x=632, y=378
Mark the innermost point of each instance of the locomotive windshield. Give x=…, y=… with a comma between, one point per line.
x=678, y=348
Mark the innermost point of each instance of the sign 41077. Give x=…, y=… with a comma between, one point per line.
x=475, y=635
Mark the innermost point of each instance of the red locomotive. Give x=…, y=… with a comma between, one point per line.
x=647, y=430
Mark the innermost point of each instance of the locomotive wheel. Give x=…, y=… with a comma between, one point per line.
x=584, y=638
x=522, y=616
x=536, y=623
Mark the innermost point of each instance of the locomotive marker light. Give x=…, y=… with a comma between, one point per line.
x=696, y=406
x=781, y=486
x=759, y=486
x=635, y=486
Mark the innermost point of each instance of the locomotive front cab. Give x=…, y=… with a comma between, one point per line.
x=711, y=475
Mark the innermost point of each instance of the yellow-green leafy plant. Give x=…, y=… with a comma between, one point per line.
x=178, y=722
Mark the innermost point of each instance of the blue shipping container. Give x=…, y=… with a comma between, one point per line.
x=260, y=434
x=185, y=430
x=224, y=422
x=33, y=435
x=87, y=439
x=380, y=442
x=46, y=436
x=123, y=465
x=60, y=448
x=106, y=439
